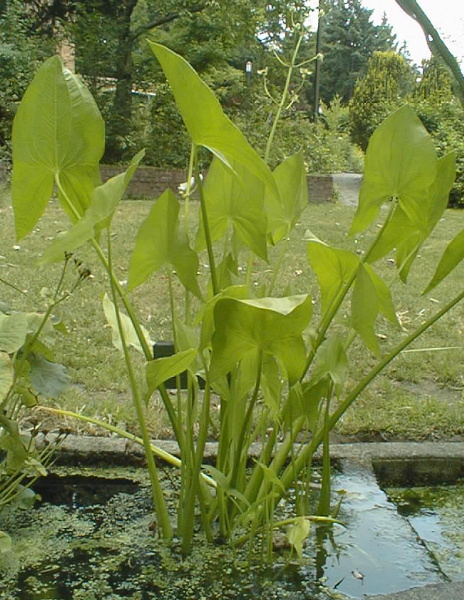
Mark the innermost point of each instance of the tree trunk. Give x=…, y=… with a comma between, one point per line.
x=119, y=126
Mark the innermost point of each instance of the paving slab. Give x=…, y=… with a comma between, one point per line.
x=441, y=591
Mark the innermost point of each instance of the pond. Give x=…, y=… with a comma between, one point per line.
x=95, y=539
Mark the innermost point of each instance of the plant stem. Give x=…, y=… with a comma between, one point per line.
x=283, y=99
x=157, y=492
x=157, y=451
x=344, y=289
x=204, y=216
x=308, y=450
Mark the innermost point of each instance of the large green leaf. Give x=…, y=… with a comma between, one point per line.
x=58, y=132
x=408, y=235
x=235, y=198
x=204, y=118
x=13, y=331
x=401, y=163
x=207, y=321
x=159, y=242
x=47, y=378
x=266, y=326
x=284, y=212
x=103, y=203
x=334, y=268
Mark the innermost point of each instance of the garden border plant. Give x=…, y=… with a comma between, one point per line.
x=277, y=372
x=27, y=372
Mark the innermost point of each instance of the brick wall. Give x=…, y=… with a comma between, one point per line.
x=150, y=182
x=320, y=188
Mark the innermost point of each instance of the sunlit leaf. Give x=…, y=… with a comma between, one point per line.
x=407, y=235
x=159, y=242
x=401, y=162
x=334, y=269
x=58, y=132
x=297, y=533
x=207, y=323
x=235, y=199
x=330, y=363
x=265, y=326
x=204, y=118
x=161, y=369
x=384, y=296
x=284, y=212
x=451, y=258
x=103, y=203
x=129, y=332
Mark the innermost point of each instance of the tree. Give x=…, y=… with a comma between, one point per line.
x=126, y=24
x=349, y=39
x=443, y=116
x=21, y=51
x=388, y=81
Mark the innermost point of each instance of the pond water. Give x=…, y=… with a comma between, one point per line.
x=95, y=539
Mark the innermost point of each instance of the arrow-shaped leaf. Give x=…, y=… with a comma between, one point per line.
x=159, y=370
x=284, y=212
x=266, y=326
x=103, y=203
x=401, y=162
x=235, y=198
x=204, y=118
x=159, y=242
x=58, y=133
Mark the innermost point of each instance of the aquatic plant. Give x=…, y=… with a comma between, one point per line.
x=276, y=368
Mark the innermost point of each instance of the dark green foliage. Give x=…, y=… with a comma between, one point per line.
x=384, y=88
x=349, y=39
x=21, y=51
x=443, y=116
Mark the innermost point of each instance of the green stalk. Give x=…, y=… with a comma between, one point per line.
x=338, y=300
x=283, y=99
x=194, y=489
x=157, y=451
x=147, y=351
x=308, y=450
x=278, y=266
x=188, y=192
x=157, y=492
x=204, y=216
x=243, y=444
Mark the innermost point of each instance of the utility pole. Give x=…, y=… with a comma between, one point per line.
x=317, y=70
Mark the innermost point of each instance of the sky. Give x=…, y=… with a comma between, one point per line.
x=447, y=17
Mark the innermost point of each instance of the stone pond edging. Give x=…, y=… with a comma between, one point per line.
x=392, y=461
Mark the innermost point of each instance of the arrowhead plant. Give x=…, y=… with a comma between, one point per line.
x=277, y=368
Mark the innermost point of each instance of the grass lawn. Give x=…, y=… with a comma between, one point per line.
x=420, y=396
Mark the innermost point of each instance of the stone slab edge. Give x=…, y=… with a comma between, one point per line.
x=98, y=450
